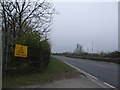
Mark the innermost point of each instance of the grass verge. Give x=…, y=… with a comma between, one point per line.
x=117, y=61
x=56, y=70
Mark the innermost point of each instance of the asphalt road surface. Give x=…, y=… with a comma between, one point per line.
x=106, y=72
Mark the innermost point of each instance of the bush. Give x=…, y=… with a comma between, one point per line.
x=38, y=51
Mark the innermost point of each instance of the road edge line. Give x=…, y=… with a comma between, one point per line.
x=109, y=85
x=89, y=75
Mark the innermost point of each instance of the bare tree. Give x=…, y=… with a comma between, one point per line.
x=21, y=17
x=37, y=14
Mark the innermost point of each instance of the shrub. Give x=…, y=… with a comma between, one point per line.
x=38, y=51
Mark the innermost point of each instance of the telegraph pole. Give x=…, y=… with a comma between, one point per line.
x=0, y=51
x=119, y=28
x=92, y=46
x=87, y=49
x=0, y=57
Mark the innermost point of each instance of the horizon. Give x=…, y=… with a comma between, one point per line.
x=83, y=23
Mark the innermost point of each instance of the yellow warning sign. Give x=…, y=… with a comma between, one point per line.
x=20, y=51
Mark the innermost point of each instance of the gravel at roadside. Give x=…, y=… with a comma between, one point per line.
x=80, y=81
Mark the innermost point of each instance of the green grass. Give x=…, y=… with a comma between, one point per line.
x=54, y=70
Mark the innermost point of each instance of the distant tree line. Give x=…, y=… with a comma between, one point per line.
x=107, y=57
x=26, y=23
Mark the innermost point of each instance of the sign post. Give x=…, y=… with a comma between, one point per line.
x=20, y=50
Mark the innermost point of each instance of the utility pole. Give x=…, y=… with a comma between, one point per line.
x=119, y=26
x=87, y=49
x=0, y=58
x=0, y=51
x=92, y=46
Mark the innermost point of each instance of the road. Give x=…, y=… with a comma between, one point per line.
x=106, y=72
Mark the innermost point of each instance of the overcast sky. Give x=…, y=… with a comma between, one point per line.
x=84, y=22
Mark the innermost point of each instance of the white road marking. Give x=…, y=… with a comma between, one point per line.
x=90, y=76
x=98, y=83
x=81, y=70
x=93, y=77
x=109, y=85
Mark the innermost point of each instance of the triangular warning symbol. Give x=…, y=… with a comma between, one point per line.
x=21, y=50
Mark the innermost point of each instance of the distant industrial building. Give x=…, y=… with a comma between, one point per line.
x=79, y=49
